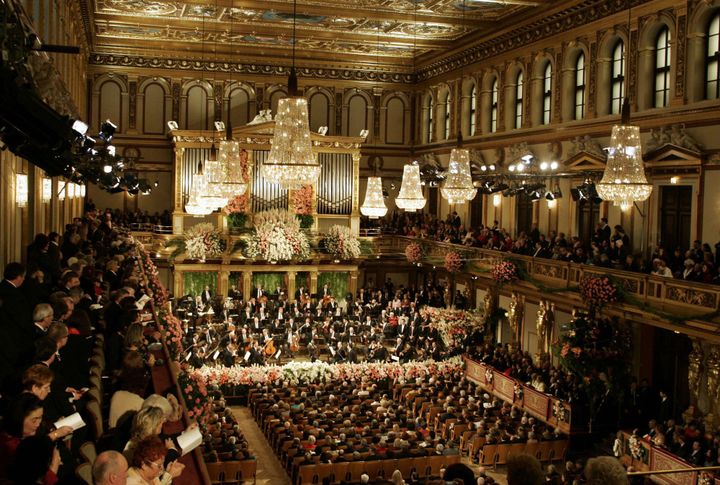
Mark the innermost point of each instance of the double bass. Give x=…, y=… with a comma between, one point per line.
x=295, y=345
x=270, y=348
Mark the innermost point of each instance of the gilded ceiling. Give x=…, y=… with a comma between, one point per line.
x=388, y=32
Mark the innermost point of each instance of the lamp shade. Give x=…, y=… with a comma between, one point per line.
x=410, y=197
x=458, y=187
x=624, y=180
x=374, y=204
x=291, y=162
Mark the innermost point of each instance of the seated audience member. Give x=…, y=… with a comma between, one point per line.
x=37, y=461
x=148, y=422
x=605, y=470
x=22, y=420
x=110, y=468
x=524, y=470
x=148, y=464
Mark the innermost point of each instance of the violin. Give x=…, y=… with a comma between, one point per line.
x=326, y=300
x=295, y=345
x=270, y=348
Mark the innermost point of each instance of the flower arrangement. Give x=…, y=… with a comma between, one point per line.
x=341, y=242
x=236, y=211
x=518, y=391
x=598, y=291
x=504, y=272
x=560, y=412
x=637, y=451
x=414, y=253
x=159, y=293
x=201, y=241
x=302, y=200
x=278, y=237
x=193, y=386
x=295, y=373
x=453, y=324
x=453, y=261
x=173, y=334
x=488, y=377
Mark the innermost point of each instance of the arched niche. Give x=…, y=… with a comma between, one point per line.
x=320, y=102
x=359, y=114
x=538, y=88
x=571, y=79
x=395, y=125
x=490, y=99
x=154, y=105
x=514, y=74
x=197, y=107
x=609, y=42
x=646, y=59
x=696, y=67
x=110, y=101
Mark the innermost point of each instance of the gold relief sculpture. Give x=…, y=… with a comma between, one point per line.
x=695, y=359
x=541, y=326
x=713, y=375
x=488, y=304
x=516, y=309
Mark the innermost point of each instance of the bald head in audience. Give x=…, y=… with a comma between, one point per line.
x=110, y=468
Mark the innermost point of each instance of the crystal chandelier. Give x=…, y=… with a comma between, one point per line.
x=230, y=161
x=291, y=162
x=458, y=187
x=624, y=181
x=198, y=187
x=374, y=204
x=213, y=197
x=410, y=197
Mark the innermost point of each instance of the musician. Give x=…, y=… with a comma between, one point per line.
x=300, y=293
x=332, y=337
x=403, y=329
x=256, y=326
x=234, y=293
x=259, y=292
x=256, y=355
x=206, y=296
x=351, y=355
x=247, y=316
x=262, y=315
x=263, y=339
x=325, y=291
x=281, y=313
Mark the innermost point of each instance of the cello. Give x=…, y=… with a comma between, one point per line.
x=270, y=348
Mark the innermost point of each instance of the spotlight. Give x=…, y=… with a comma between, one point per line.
x=88, y=144
x=553, y=165
x=172, y=125
x=80, y=127
x=535, y=196
x=156, y=183
x=107, y=130
x=107, y=168
x=549, y=196
x=219, y=126
x=492, y=166
x=111, y=150
x=544, y=166
x=511, y=168
x=674, y=180
x=483, y=168
x=557, y=193
x=520, y=167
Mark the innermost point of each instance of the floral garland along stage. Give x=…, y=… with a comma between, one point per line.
x=504, y=272
x=598, y=291
x=341, y=242
x=201, y=241
x=453, y=323
x=453, y=262
x=193, y=386
x=295, y=373
x=236, y=210
x=278, y=237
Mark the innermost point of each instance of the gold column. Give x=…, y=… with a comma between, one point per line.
x=247, y=285
x=178, y=289
x=223, y=283
x=291, y=285
x=355, y=214
x=179, y=210
x=353, y=287
x=313, y=282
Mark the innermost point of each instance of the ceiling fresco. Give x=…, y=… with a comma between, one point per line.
x=363, y=31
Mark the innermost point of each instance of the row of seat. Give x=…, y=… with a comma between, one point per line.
x=232, y=472
x=497, y=454
x=424, y=467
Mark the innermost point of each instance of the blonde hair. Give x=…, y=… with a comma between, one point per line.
x=146, y=422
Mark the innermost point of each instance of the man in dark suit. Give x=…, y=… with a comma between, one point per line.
x=15, y=316
x=604, y=234
x=206, y=296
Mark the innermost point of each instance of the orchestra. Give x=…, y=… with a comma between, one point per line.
x=376, y=325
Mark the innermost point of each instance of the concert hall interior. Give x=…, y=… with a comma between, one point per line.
x=359, y=241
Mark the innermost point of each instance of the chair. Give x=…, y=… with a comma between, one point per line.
x=435, y=463
x=93, y=408
x=516, y=449
x=355, y=470
x=420, y=465
x=501, y=454
x=476, y=446
x=464, y=440
x=559, y=448
x=216, y=472
x=324, y=470
x=84, y=473
x=388, y=467
x=372, y=468
x=544, y=451
x=532, y=449
x=246, y=469
x=340, y=471
x=94, y=394
x=88, y=452
x=307, y=475
x=487, y=455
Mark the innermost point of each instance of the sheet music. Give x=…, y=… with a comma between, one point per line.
x=74, y=421
x=190, y=439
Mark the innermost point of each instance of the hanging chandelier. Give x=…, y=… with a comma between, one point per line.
x=410, y=197
x=291, y=162
x=458, y=186
x=213, y=197
x=230, y=160
x=194, y=206
x=374, y=204
x=624, y=181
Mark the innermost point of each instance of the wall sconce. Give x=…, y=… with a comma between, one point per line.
x=62, y=186
x=674, y=180
x=82, y=189
x=70, y=190
x=497, y=200
x=21, y=189
x=46, y=189
x=552, y=204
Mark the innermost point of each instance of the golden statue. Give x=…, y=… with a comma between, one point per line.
x=488, y=305
x=695, y=368
x=713, y=374
x=515, y=315
x=541, y=327
x=709, y=421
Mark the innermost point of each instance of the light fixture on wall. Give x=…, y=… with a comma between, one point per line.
x=21, y=189
x=62, y=189
x=46, y=189
x=82, y=190
x=624, y=181
x=497, y=200
x=291, y=162
x=410, y=197
x=374, y=204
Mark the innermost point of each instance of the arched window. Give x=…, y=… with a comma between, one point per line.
x=547, y=94
x=519, y=101
x=662, y=68
x=446, y=114
x=473, y=110
x=580, y=87
x=617, y=78
x=712, y=72
x=429, y=126
x=494, y=106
